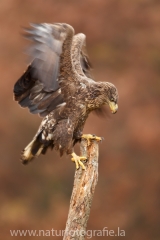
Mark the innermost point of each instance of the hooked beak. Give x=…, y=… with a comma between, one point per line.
x=113, y=106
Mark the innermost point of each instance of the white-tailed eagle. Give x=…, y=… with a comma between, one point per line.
x=57, y=85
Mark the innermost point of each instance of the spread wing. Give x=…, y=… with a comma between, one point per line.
x=85, y=62
x=38, y=88
x=30, y=92
x=45, y=52
x=80, y=57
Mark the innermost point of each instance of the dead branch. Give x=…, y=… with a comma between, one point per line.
x=83, y=190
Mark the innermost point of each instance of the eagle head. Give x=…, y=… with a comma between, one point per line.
x=111, y=95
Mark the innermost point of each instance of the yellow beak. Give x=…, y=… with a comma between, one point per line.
x=113, y=106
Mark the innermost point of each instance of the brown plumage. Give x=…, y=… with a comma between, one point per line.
x=58, y=86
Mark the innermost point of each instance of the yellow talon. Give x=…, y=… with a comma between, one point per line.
x=77, y=159
x=90, y=137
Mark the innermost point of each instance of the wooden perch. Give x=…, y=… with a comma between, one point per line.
x=83, y=190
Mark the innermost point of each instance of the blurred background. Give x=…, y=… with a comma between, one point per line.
x=123, y=42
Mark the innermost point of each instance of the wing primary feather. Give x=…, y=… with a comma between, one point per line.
x=38, y=88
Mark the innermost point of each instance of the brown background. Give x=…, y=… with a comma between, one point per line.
x=123, y=41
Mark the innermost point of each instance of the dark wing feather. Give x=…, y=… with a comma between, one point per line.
x=38, y=88
x=85, y=62
x=29, y=93
x=45, y=52
x=80, y=57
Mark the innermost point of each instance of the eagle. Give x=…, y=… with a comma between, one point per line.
x=58, y=86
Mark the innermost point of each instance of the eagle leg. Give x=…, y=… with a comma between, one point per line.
x=90, y=137
x=77, y=159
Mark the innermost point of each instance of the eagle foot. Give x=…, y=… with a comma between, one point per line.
x=77, y=159
x=90, y=137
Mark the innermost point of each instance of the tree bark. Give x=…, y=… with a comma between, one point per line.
x=83, y=190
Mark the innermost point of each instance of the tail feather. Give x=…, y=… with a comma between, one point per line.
x=37, y=146
x=33, y=149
